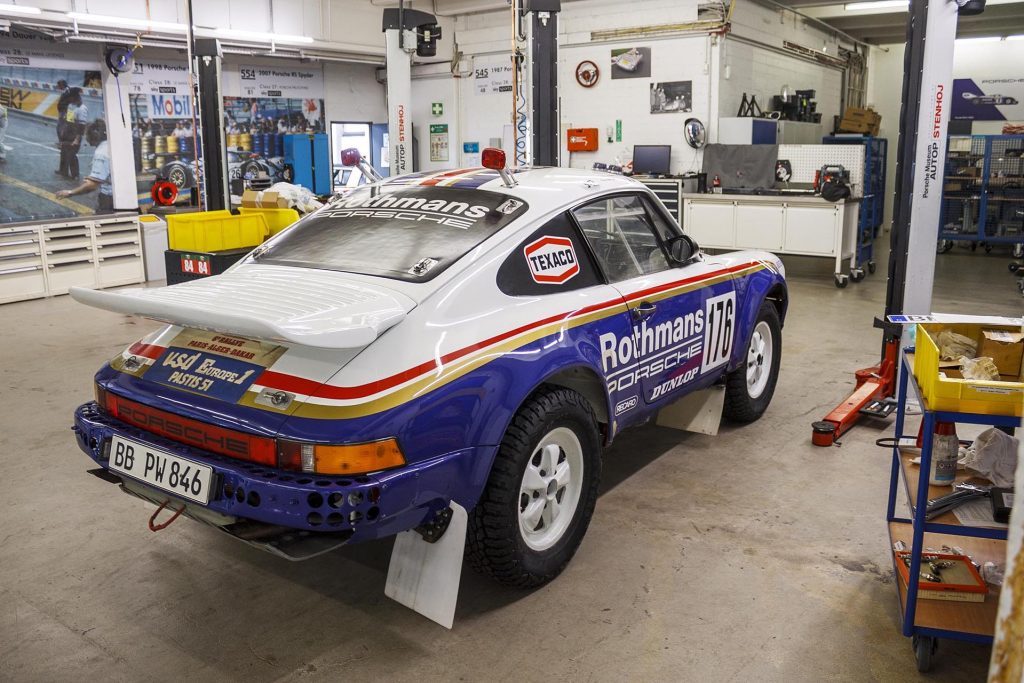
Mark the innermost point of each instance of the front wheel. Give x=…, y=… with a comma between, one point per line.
x=541, y=491
x=749, y=388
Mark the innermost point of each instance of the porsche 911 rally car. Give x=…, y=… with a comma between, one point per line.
x=474, y=336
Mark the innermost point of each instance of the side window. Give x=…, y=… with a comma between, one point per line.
x=620, y=232
x=551, y=260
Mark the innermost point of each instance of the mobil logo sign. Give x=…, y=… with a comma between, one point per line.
x=552, y=260
x=170, y=106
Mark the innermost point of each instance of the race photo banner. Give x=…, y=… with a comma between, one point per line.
x=52, y=134
x=164, y=133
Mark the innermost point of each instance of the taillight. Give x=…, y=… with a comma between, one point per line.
x=345, y=459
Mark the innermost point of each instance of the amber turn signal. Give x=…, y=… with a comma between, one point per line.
x=357, y=458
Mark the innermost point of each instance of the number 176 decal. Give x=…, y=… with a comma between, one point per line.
x=719, y=330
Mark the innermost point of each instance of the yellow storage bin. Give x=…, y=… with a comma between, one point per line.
x=215, y=231
x=277, y=219
x=944, y=389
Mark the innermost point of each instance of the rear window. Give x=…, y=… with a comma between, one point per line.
x=401, y=232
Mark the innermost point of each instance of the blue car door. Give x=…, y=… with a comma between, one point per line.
x=683, y=316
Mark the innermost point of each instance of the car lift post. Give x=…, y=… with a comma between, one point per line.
x=400, y=27
x=543, y=15
x=920, y=167
x=208, y=55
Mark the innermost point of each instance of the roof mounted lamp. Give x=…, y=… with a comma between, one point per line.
x=494, y=159
x=352, y=158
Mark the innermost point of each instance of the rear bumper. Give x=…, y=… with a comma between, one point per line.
x=351, y=509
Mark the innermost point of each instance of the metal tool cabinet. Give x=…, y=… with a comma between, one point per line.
x=983, y=193
x=926, y=621
x=47, y=258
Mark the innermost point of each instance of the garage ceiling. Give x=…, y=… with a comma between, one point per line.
x=889, y=24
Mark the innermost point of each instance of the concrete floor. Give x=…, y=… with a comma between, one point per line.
x=747, y=556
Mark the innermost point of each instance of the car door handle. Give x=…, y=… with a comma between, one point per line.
x=644, y=311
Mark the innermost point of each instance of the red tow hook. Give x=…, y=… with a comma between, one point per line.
x=153, y=526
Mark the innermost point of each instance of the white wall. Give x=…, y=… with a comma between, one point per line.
x=884, y=95
x=353, y=93
x=763, y=72
x=628, y=99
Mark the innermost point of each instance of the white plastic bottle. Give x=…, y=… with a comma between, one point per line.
x=945, y=453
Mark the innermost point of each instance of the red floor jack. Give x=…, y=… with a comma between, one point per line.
x=874, y=386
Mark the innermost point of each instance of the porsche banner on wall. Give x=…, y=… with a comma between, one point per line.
x=989, y=99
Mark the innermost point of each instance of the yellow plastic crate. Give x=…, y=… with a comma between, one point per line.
x=215, y=231
x=277, y=219
x=954, y=394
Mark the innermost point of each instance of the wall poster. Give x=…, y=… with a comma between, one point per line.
x=492, y=74
x=990, y=99
x=439, y=142
x=164, y=134
x=52, y=134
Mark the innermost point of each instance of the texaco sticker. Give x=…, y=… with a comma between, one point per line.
x=552, y=260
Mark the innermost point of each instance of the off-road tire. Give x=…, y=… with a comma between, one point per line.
x=740, y=406
x=494, y=543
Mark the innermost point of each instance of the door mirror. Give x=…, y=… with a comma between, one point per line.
x=682, y=249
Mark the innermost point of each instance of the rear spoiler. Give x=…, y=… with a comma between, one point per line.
x=297, y=306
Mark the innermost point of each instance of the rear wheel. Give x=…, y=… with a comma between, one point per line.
x=541, y=491
x=749, y=388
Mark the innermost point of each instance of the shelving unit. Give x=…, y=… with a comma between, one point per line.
x=983, y=192
x=927, y=620
x=46, y=259
x=872, y=205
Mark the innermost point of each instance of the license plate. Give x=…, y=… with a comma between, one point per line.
x=160, y=469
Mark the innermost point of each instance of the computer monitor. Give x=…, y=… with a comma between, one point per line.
x=651, y=159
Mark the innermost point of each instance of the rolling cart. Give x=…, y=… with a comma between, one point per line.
x=872, y=205
x=983, y=193
x=925, y=621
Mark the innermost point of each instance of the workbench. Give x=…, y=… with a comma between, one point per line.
x=804, y=225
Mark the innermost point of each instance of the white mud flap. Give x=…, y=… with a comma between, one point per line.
x=425, y=576
x=699, y=412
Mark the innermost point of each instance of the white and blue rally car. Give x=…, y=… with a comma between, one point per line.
x=474, y=336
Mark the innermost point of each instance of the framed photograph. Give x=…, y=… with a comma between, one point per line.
x=631, y=62
x=671, y=97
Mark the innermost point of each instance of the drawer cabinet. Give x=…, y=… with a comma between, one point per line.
x=46, y=259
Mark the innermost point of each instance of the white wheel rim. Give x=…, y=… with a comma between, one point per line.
x=550, y=490
x=759, y=359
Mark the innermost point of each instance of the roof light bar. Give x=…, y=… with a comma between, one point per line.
x=876, y=4
x=125, y=22
x=10, y=8
x=261, y=36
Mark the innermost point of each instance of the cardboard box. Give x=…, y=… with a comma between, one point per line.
x=858, y=120
x=1005, y=348
x=253, y=199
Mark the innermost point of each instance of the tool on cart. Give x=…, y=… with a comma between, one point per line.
x=962, y=493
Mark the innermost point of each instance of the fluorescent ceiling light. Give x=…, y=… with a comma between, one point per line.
x=125, y=22
x=982, y=39
x=878, y=4
x=18, y=9
x=1019, y=36
x=261, y=36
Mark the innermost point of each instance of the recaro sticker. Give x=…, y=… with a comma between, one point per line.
x=552, y=260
